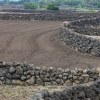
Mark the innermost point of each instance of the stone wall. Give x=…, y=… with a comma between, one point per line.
x=17, y=73
x=89, y=91
x=80, y=42
x=45, y=15
x=87, y=26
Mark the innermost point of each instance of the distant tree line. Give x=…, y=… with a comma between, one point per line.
x=45, y=3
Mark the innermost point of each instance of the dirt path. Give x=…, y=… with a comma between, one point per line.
x=34, y=42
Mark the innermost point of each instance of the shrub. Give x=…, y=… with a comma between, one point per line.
x=29, y=5
x=52, y=7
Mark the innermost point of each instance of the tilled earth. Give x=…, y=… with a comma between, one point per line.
x=34, y=42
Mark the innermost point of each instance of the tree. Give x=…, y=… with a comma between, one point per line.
x=52, y=7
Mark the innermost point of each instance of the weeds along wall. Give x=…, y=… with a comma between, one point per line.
x=16, y=73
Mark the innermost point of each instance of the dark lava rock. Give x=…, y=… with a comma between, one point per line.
x=12, y=70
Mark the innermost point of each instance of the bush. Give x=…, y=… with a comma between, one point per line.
x=29, y=5
x=52, y=7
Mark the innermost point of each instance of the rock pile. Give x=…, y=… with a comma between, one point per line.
x=17, y=73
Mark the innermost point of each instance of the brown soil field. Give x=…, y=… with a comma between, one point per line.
x=34, y=42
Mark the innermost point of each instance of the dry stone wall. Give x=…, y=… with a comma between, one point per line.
x=45, y=15
x=80, y=42
x=87, y=26
x=89, y=91
x=17, y=73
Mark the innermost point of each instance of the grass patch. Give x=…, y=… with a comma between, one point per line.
x=23, y=92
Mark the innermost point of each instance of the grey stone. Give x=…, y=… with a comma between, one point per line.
x=48, y=83
x=8, y=82
x=32, y=73
x=14, y=76
x=28, y=77
x=58, y=81
x=12, y=70
x=19, y=70
x=3, y=72
x=54, y=83
x=23, y=78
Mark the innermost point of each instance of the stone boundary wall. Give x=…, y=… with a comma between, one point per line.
x=80, y=42
x=89, y=91
x=90, y=26
x=17, y=73
x=45, y=15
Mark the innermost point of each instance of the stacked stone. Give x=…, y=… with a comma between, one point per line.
x=89, y=91
x=17, y=73
x=45, y=15
x=87, y=26
x=79, y=42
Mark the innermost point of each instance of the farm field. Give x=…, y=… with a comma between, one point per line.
x=34, y=42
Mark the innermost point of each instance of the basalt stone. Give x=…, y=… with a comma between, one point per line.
x=37, y=68
x=37, y=72
x=25, y=64
x=28, y=72
x=12, y=70
x=32, y=73
x=38, y=96
x=25, y=73
x=31, y=81
x=58, y=81
x=8, y=82
x=19, y=70
x=28, y=77
x=39, y=81
x=93, y=71
x=81, y=79
x=23, y=78
x=15, y=76
x=31, y=67
x=48, y=83
x=54, y=83
x=8, y=75
x=3, y=72
x=25, y=69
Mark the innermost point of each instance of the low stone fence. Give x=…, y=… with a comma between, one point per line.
x=45, y=15
x=80, y=42
x=87, y=26
x=17, y=73
x=89, y=91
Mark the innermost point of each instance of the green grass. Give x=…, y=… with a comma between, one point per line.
x=86, y=10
